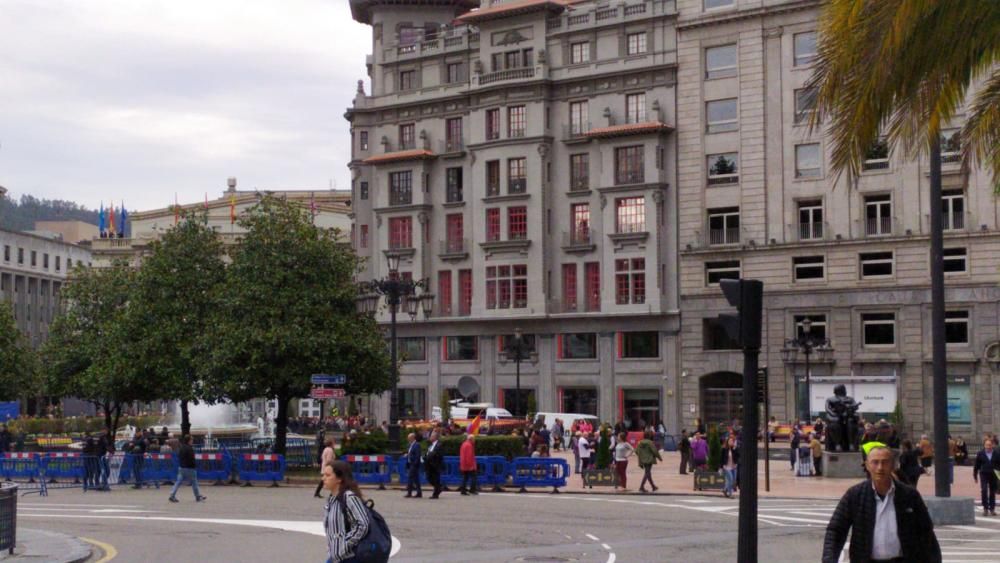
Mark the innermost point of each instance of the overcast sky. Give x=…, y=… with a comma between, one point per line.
x=138, y=99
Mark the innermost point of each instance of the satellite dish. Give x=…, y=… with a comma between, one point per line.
x=468, y=386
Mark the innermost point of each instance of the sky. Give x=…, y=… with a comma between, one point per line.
x=138, y=100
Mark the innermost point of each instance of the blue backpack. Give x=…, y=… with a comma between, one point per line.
x=377, y=543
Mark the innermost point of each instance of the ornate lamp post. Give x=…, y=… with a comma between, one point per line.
x=808, y=344
x=397, y=291
x=518, y=350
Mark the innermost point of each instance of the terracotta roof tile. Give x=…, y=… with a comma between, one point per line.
x=513, y=8
x=629, y=129
x=397, y=156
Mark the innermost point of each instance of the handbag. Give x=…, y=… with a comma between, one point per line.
x=377, y=543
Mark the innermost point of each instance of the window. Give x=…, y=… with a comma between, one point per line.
x=715, y=337
x=45, y=261
x=363, y=140
x=878, y=329
x=810, y=219
x=6, y=253
x=453, y=134
x=517, y=223
x=493, y=178
x=579, y=172
x=461, y=348
x=878, y=215
x=69, y=263
x=578, y=116
x=722, y=116
x=569, y=287
x=953, y=210
x=877, y=157
x=805, y=104
x=635, y=108
x=453, y=184
x=413, y=349
x=630, y=215
x=713, y=4
x=492, y=124
x=951, y=146
x=454, y=73
x=639, y=345
x=579, y=52
x=636, y=43
x=720, y=62
x=723, y=270
x=412, y=403
x=580, y=219
x=804, y=48
x=409, y=35
x=807, y=161
x=956, y=327
x=577, y=346
x=401, y=188
x=723, y=169
x=817, y=325
x=407, y=136
x=364, y=190
x=58, y=263
x=808, y=268
x=876, y=264
x=34, y=258
x=364, y=237
x=629, y=168
x=579, y=400
x=592, y=285
x=724, y=225
x=517, y=181
x=504, y=342
x=493, y=224
x=444, y=293
x=507, y=287
x=956, y=261
x=464, y=292
x=455, y=231
x=630, y=281
x=407, y=79
x=400, y=232
x=515, y=121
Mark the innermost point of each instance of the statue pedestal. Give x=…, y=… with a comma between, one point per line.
x=842, y=465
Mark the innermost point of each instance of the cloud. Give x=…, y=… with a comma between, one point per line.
x=141, y=99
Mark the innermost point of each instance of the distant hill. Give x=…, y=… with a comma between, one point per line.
x=21, y=216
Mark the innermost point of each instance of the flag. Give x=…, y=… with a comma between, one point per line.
x=232, y=209
x=100, y=219
x=111, y=220
x=124, y=217
x=474, y=425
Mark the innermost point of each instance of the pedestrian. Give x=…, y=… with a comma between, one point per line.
x=5, y=439
x=984, y=471
x=320, y=447
x=413, y=467
x=106, y=449
x=623, y=450
x=89, y=462
x=326, y=457
x=888, y=520
x=138, y=452
x=574, y=445
x=794, y=443
x=586, y=451
x=187, y=470
x=772, y=427
x=909, y=465
x=648, y=455
x=817, y=454
x=699, y=451
x=467, y=465
x=730, y=463
x=343, y=534
x=685, y=449
x=961, y=451
x=433, y=462
x=926, y=453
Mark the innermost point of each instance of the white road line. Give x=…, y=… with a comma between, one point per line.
x=97, y=511
x=78, y=505
x=973, y=529
x=695, y=501
x=987, y=521
x=593, y=537
x=611, y=558
x=606, y=546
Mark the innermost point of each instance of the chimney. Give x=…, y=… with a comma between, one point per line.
x=231, y=182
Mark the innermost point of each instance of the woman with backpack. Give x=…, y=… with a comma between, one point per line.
x=346, y=518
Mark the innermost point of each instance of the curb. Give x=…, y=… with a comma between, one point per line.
x=43, y=546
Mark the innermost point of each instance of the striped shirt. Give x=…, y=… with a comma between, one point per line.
x=341, y=542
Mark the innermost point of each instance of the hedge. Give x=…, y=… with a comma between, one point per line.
x=76, y=425
x=375, y=442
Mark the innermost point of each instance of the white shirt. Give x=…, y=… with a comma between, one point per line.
x=584, y=448
x=885, y=543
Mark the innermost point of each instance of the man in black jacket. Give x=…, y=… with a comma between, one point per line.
x=984, y=471
x=188, y=470
x=888, y=520
x=433, y=462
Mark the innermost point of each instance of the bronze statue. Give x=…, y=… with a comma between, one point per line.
x=842, y=421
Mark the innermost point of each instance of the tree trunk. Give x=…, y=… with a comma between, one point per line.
x=106, y=407
x=281, y=424
x=185, y=418
x=118, y=415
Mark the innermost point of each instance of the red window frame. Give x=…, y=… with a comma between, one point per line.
x=507, y=286
x=580, y=219
x=630, y=214
x=492, y=124
x=592, y=285
x=455, y=231
x=630, y=281
x=629, y=165
x=493, y=177
x=444, y=293
x=569, y=287
x=465, y=292
x=493, y=224
x=517, y=223
x=400, y=232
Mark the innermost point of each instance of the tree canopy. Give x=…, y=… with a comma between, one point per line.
x=17, y=359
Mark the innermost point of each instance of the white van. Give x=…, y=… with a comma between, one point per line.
x=549, y=419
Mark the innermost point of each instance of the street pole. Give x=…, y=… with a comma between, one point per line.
x=517, y=381
x=939, y=397
x=807, y=350
x=748, y=460
x=393, y=298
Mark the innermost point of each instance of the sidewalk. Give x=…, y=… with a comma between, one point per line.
x=40, y=546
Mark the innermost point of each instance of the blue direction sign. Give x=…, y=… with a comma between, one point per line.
x=326, y=379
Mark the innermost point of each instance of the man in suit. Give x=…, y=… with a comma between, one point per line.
x=888, y=520
x=413, y=467
x=433, y=462
x=984, y=471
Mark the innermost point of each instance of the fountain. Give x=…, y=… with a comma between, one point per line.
x=212, y=422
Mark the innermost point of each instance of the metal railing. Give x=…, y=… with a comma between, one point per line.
x=878, y=226
x=576, y=130
x=8, y=517
x=875, y=164
x=724, y=236
x=812, y=231
x=629, y=177
x=579, y=184
x=517, y=185
x=451, y=145
x=509, y=74
x=578, y=237
x=723, y=179
x=454, y=246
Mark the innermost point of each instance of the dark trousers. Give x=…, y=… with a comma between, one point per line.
x=105, y=468
x=137, y=470
x=434, y=478
x=988, y=488
x=413, y=480
x=319, y=488
x=818, y=465
x=469, y=482
x=685, y=462
x=620, y=469
x=90, y=472
x=647, y=475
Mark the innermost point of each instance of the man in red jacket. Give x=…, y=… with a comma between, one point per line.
x=467, y=465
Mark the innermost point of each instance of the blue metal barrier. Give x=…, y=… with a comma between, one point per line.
x=402, y=469
x=159, y=468
x=27, y=469
x=497, y=470
x=64, y=465
x=261, y=467
x=213, y=466
x=452, y=474
x=374, y=469
x=539, y=472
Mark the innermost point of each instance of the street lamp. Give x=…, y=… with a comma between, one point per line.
x=807, y=343
x=518, y=350
x=397, y=291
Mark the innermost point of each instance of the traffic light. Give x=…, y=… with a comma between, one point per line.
x=747, y=297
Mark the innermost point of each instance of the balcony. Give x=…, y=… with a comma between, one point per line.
x=401, y=197
x=580, y=184
x=625, y=177
x=453, y=250
x=576, y=131
x=517, y=185
x=812, y=231
x=578, y=241
x=875, y=164
x=724, y=236
x=451, y=148
x=878, y=226
x=723, y=179
x=525, y=73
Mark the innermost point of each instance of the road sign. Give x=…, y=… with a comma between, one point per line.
x=323, y=394
x=326, y=379
x=762, y=385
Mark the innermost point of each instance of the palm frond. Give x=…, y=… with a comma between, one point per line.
x=981, y=134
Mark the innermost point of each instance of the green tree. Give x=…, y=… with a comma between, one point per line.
x=18, y=375
x=89, y=351
x=714, y=448
x=177, y=288
x=876, y=75
x=445, y=406
x=287, y=310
